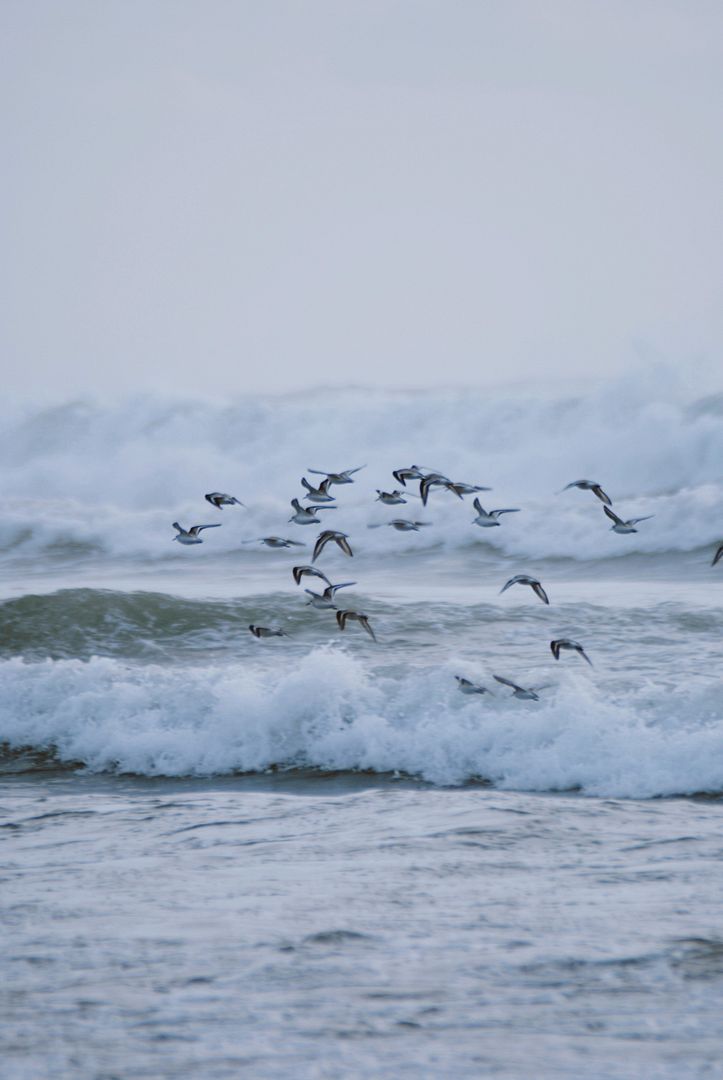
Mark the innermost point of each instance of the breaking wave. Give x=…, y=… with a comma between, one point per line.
x=327, y=711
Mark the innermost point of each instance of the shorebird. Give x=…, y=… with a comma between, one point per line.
x=432, y=480
x=620, y=526
x=461, y=489
x=340, y=539
x=525, y=579
x=275, y=542
x=412, y=473
x=487, y=519
x=317, y=494
x=468, y=687
x=266, y=631
x=401, y=525
x=718, y=555
x=566, y=643
x=325, y=600
x=306, y=515
x=589, y=485
x=219, y=499
x=391, y=498
x=300, y=571
x=529, y=694
x=363, y=620
x=190, y=536
x=344, y=477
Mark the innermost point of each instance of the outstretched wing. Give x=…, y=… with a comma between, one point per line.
x=613, y=516
x=539, y=591
x=507, y=682
x=634, y=521
x=196, y=529
x=365, y=623
x=718, y=555
x=597, y=490
x=344, y=545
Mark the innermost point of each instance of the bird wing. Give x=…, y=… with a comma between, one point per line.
x=180, y=529
x=718, y=555
x=507, y=682
x=344, y=545
x=539, y=591
x=478, y=507
x=196, y=529
x=597, y=490
x=496, y=513
x=365, y=623
x=333, y=588
x=341, y=617
x=613, y=516
x=634, y=521
x=555, y=646
x=321, y=541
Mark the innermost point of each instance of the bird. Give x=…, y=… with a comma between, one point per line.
x=317, y=494
x=460, y=488
x=718, y=555
x=620, y=526
x=468, y=687
x=392, y=498
x=219, y=500
x=275, y=542
x=306, y=515
x=412, y=473
x=487, y=519
x=567, y=643
x=432, y=480
x=363, y=620
x=340, y=539
x=266, y=631
x=190, y=536
x=589, y=485
x=325, y=600
x=344, y=477
x=401, y=525
x=525, y=579
x=300, y=571
x=529, y=694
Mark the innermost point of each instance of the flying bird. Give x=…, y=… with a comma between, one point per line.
x=589, y=485
x=344, y=477
x=339, y=538
x=325, y=600
x=525, y=579
x=300, y=571
x=412, y=473
x=567, y=643
x=306, y=515
x=190, y=536
x=401, y=525
x=219, y=500
x=461, y=489
x=275, y=542
x=487, y=519
x=468, y=687
x=317, y=494
x=363, y=620
x=529, y=694
x=718, y=555
x=620, y=526
x=391, y=498
x=266, y=631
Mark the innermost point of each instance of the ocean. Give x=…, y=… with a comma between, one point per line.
x=311, y=855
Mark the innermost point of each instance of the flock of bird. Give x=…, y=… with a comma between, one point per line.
x=319, y=498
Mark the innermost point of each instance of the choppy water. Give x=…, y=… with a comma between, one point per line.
x=369, y=873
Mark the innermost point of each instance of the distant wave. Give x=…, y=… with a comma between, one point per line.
x=212, y=720
x=85, y=478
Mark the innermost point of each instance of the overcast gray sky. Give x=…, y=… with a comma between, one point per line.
x=221, y=195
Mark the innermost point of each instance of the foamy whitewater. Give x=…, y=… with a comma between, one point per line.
x=312, y=856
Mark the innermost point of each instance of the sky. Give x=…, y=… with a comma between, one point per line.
x=227, y=195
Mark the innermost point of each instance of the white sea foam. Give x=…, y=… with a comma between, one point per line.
x=161, y=721
x=115, y=477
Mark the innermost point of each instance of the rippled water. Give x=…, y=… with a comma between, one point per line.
x=331, y=926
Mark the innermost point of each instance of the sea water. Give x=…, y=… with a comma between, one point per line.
x=311, y=855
